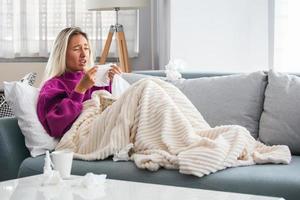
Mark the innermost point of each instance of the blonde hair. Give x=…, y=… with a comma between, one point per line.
x=56, y=64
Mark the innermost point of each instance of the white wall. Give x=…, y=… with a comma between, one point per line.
x=218, y=35
x=16, y=71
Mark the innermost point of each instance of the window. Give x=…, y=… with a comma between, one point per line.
x=287, y=36
x=223, y=36
x=29, y=27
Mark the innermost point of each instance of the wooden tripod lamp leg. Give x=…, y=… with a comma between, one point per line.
x=107, y=45
x=122, y=48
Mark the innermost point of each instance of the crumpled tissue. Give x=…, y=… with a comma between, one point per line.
x=91, y=186
x=88, y=187
x=48, y=165
x=173, y=68
x=123, y=154
x=101, y=78
x=93, y=180
x=119, y=85
x=50, y=176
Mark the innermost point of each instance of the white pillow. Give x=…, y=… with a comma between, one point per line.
x=22, y=98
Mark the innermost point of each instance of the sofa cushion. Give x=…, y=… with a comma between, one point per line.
x=268, y=179
x=224, y=100
x=228, y=100
x=280, y=120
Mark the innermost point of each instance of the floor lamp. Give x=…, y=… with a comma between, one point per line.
x=116, y=5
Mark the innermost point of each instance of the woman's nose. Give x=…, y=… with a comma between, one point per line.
x=82, y=53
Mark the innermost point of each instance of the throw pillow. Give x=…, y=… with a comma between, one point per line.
x=22, y=98
x=5, y=110
x=29, y=78
x=280, y=120
x=228, y=100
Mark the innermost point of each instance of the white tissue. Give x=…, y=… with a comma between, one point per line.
x=101, y=77
x=48, y=165
x=173, y=68
x=52, y=178
x=91, y=187
x=88, y=187
x=93, y=180
x=119, y=86
x=123, y=154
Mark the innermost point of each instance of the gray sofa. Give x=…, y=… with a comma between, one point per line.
x=266, y=104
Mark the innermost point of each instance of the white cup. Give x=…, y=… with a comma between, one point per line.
x=62, y=161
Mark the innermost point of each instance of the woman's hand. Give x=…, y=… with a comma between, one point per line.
x=114, y=70
x=87, y=81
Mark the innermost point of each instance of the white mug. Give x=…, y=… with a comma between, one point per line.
x=62, y=161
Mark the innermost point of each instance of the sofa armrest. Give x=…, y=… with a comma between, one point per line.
x=12, y=148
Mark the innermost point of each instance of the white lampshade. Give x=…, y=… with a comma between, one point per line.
x=111, y=4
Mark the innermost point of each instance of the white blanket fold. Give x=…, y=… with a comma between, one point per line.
x=166, y=130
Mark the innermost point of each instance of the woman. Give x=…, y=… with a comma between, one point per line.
x=152, y=123
x=68, y=82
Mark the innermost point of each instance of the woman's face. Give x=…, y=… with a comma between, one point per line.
x=77, y=53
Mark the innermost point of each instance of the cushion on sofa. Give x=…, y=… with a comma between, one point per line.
x=280, y=120
x=22, y=98
x=5, y=109
x=228, y=100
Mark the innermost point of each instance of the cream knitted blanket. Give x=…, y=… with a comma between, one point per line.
x=166, y=131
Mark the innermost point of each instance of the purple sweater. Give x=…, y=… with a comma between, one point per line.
x=59, y=105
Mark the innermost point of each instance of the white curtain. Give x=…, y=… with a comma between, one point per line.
x=287, y=36
x=160, y=36
x=29, y=27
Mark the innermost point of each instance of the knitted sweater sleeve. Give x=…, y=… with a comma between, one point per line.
x=57, y=109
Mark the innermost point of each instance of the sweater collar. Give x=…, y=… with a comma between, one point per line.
x=73, y=75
